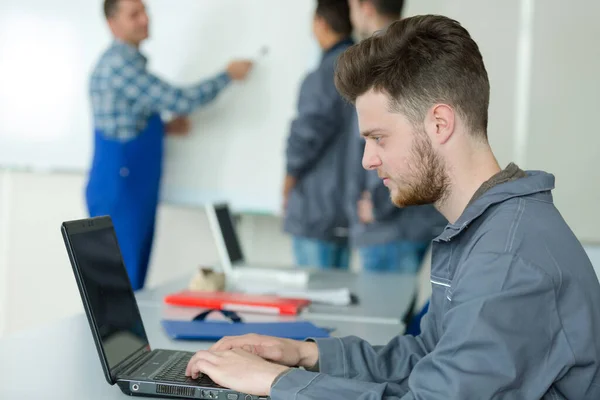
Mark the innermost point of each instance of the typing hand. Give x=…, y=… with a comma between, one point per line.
x=237, y=370
x=239, y=69
x=365, y=208
x=178, y=126
x=287, y=352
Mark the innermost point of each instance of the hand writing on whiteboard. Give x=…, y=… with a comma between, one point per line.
x=239, y=69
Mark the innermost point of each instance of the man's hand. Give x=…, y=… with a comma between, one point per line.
x=239, y=69
x=288, y=184
x=292, y=353
x=178, y=126
x=365, y=208
x=237, y=370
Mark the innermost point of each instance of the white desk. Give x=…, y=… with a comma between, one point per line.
x=60, y=361
x=383, y=297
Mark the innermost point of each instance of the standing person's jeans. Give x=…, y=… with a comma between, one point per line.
x=399, y=256
x=318, y=253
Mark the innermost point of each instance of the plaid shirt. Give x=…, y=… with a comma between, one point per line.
x=124, y=94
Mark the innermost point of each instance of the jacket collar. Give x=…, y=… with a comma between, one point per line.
x=536, y=182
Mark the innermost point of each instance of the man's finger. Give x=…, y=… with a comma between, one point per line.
x=225, y=343
x=274, y=353
x=231, y=342
x=201, y=355
x=188, y=369
x=202, y=366
x=249, y=348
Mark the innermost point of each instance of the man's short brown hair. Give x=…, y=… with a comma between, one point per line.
x=418, y=62
x=110, y=8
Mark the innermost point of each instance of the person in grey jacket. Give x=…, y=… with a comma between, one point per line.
x=313, y=189
x=514, y=310
x=388, y=238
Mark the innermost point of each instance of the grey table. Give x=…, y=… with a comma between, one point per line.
x=59, y=361
x=383, y=297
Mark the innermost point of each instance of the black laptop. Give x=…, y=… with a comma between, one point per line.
x=117, y=326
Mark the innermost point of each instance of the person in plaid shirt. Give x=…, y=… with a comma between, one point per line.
x=127, y=100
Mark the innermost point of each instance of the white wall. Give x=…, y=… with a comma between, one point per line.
x=563, y=136
x=4, y=236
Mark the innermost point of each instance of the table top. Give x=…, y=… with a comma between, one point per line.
x=60, y=361
x=383, y=297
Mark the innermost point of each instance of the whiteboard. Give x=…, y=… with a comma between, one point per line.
x=236, y=149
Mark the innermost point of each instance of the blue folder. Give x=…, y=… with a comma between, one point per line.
x=215, y=330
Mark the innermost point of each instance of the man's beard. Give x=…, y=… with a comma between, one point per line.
x=427, y=181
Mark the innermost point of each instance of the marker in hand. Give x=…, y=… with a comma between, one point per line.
x=262, y=52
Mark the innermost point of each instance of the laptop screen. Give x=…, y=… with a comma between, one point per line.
x=228, y=231
x=111, y=299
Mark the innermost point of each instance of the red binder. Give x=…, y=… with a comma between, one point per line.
x=237, y=302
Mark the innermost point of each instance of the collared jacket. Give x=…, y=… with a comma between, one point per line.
x=514, y=314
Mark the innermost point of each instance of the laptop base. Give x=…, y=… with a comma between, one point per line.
x=179, y=391
x=162, y=374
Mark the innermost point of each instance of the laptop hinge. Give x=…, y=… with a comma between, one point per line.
x=133, y=359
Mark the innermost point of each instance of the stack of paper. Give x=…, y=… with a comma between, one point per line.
x=336, y=297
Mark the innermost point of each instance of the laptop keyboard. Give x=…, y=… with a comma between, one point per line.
x=175, y=372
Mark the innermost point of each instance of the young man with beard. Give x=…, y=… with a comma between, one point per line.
x=514, y=312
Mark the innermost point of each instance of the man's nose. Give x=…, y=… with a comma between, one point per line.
x=370, y=158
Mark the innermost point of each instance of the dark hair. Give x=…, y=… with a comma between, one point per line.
x=337, y=15
x=110, y=8
x=420, y=61
x=388, y=8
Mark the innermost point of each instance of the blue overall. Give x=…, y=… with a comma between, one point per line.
x=124, y=183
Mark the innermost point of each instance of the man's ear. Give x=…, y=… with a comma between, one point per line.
x=112, y=25
x=440, y=123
